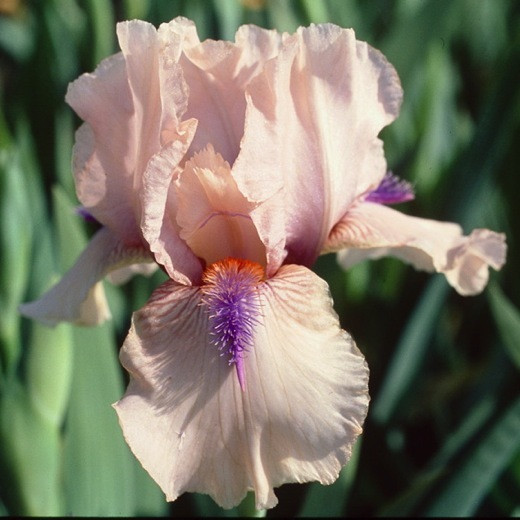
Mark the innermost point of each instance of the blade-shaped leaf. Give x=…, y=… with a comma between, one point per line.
x=411, y=350
x=30, y=456
x=471, y=483
x=507, y=319
x=98, y=472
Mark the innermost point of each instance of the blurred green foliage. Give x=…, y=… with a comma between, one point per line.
x=443, y=433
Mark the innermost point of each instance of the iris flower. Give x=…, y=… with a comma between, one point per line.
x=233, y=166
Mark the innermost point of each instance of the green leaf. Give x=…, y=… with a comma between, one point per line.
x=30, y=457
x=15, y=241
x=425, y=482
x=98, y=471
x=152, y=501
x=411, y=350
x=247, y=508
x=101, y=16
x=49, y=370
x=471, y=483
x=198, y=11
x=317, y=12
x=71, y=231
x=64, y=143
x=207, y=507
x=282, y=16
x=442, y=128
x=16, y=37
x=229, y=14
x=62, y=21
x=507, y=319
x=136, y=9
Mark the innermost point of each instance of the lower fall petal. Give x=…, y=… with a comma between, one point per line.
x=123, y=274
x=308, y=385
x=192, y=426
x=78, y=297
x=370, y=230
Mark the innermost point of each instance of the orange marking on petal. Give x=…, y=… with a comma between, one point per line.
x=214, y=271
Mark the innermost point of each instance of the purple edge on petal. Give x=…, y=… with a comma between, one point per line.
x=85, y=215
x=392, y=190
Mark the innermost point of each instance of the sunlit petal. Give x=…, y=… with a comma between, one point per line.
x=193, y=428
x=123, y=274
x=78, y=297
x=158, y=224
x=370, y=230
x=131, y=106
x=311, y=129
x=217, y=73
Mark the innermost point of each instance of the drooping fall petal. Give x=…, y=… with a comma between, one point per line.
x=311, y=128
x=123, y=274
x=370, y=230
x=193, y=427
x=78, y=297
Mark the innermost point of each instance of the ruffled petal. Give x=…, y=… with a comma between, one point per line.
x=194, y=429
x=217, y=73
x=78, y=297
x=310, y=136
x=131, y=105
x=370, y=230
x=123, y=274
x=158, y=224
x=219, y=224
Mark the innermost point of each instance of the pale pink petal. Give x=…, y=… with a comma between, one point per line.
x=310, y=136
x=194, y=429
x=131, y=106
x=158, y=224
x=370, y=230
x=93, y=310
x=108, y=198
x=217, y=73
x=470, y=257
x=123, y=274
x=213, y=215
x=78, y=297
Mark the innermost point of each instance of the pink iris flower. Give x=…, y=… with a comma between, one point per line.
x=233, y=166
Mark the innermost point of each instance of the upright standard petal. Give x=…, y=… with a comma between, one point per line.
x=192, y=426
x=217, y=73
x=311, y=129
x=158, y=223
x=131, y=105
x=78, y=297
x=370, y=230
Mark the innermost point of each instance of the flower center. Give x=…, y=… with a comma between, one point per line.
x=229, y=289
